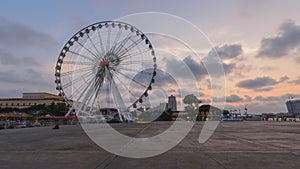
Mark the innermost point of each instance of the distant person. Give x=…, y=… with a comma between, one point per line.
x=56, y=127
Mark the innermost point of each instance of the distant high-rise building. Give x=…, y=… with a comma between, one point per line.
x=172, y=103
x=293, y=106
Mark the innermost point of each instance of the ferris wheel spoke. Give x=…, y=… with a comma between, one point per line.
x=99, y=55
x=95, y=94
x=137, y=82
x=122, y=44
x=108, y=38
x=79, y=91
x=126, y=87
x=81, y=87
x=81, y=55
x=86, y=95
x=78, y=63
x=76, y=71
x=88, y=84
x=98, y=85
x=136, y=71
x=95, y=99
x=84, y=78
x=116, y=40
x=135, y=53
x=100, y=40
x=77, y=79
x=126, y=49
x=135, y=62
x=95, y=56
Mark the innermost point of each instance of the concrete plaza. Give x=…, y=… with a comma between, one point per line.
x=234, y=145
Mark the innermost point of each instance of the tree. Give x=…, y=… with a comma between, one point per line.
x=191, y=100
x=192, y=105
x=226, y=114
x=59, y=109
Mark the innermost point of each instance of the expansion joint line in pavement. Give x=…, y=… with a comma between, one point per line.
x=252, y=142
x=112, y=157
x=197, y=147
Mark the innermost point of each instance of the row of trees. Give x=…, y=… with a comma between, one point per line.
x=59, y=109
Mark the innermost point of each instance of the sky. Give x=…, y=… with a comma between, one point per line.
x=258, y=42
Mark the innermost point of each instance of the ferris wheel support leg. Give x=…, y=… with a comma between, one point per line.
x=118, y=100
x=70, y=110
x=117, y=97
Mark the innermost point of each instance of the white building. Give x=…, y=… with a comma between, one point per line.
x=293, y=106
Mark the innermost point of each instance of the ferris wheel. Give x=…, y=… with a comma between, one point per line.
x=108, y=64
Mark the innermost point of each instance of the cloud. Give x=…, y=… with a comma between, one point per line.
x=187, y=69
x=25, y=77
x=25, y=54
x=163, y=81
x=197, y=68
x=214, y=60
x=296, y=81
x=163, y=78
x=228, y=51
x=283, y=78
x=216, y=68
x=265, y=89
x=8, y=93
x=17, y=35
x=248, y=98
x=228, y=68
x=230, y=99
x=260, y=83
x=267, y=68
x=6, y=58
x=267, y=107
x=287, y=39
x=238, y=71
x=281, y=98
x=234, y=98
x=172, y=91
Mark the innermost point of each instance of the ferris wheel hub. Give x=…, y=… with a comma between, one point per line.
x=104, y=63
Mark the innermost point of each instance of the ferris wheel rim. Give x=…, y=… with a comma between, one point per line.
x=84, y=30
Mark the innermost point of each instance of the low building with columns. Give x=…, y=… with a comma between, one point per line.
x=30, y=99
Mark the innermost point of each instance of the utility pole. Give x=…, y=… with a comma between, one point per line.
x=246, y=109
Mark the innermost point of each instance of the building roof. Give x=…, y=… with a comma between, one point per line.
x=34, y=96
x=293, y=100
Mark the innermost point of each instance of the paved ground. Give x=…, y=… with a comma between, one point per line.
x=234, y=145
